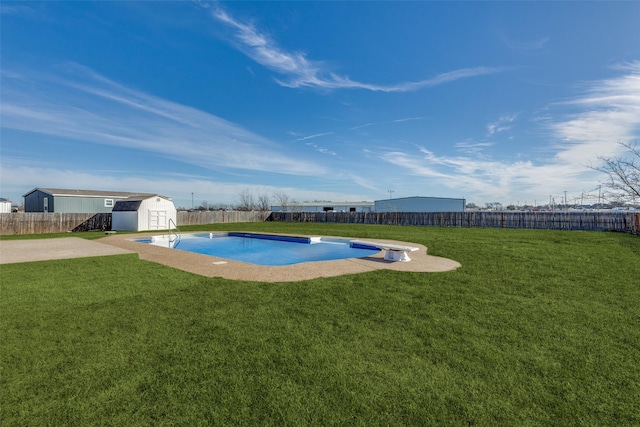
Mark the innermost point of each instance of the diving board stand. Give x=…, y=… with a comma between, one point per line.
x=392, y=252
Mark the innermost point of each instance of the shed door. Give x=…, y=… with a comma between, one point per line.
x=157, y=220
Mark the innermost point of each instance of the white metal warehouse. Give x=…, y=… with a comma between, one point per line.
x=324, y=207
x=420, y=204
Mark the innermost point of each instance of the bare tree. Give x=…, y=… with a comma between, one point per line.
x=219, y=207
x=282, y=199
x=294, y=206
x=246, y=202
x=263, y=203
x=623, y=172
x=204, y=206
x=494, y=206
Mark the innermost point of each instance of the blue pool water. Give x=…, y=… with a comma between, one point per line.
x=271, y=250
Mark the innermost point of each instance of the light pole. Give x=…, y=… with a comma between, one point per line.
x=390, y=193
x=191, y=200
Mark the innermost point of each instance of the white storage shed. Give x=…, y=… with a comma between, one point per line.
x=5, y=205
x=144, y=212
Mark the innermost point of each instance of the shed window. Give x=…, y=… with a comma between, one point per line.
x=108, y=203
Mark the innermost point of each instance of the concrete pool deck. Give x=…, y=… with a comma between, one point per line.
x=13, y=251
x=205, y=265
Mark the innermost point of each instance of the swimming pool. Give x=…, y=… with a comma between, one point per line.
x=266, y=249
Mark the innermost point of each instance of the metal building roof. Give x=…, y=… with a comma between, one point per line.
x=86, y=193
x=420, y=198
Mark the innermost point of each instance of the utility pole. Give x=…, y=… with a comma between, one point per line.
x=599, y=202
x=390, y=193
x=565, y=201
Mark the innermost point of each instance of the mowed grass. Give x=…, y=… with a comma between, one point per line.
x=536, y=328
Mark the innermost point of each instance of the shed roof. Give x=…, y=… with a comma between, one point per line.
x=126, y=205
x=132, y=203
x=144, y=196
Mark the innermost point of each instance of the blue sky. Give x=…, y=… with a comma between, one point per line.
x=489, y=101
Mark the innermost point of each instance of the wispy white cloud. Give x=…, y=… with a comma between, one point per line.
x=363, y=126
x=408, y=119
x=82, y=105
x=303, y=72
x=320, y=149
x=479, y=179
x=471, y=147
x=316, y=147
x=502, y=124
x=318, y=135
x=529, y=46
x=15, y=9
x=605, y=112
x=609, y=111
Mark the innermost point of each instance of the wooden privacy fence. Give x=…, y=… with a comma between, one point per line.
x=38, y=222
x=216, y=217
x=627, y=222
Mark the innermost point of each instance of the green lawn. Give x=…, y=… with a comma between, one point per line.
x=536, y=328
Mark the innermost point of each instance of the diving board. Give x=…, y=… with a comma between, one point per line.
x=393, y=252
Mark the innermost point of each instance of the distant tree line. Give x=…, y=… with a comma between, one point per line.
x=247, y=201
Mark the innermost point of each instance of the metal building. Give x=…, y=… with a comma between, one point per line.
x=324, y=207
x=72, y=201
x=420, y=204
